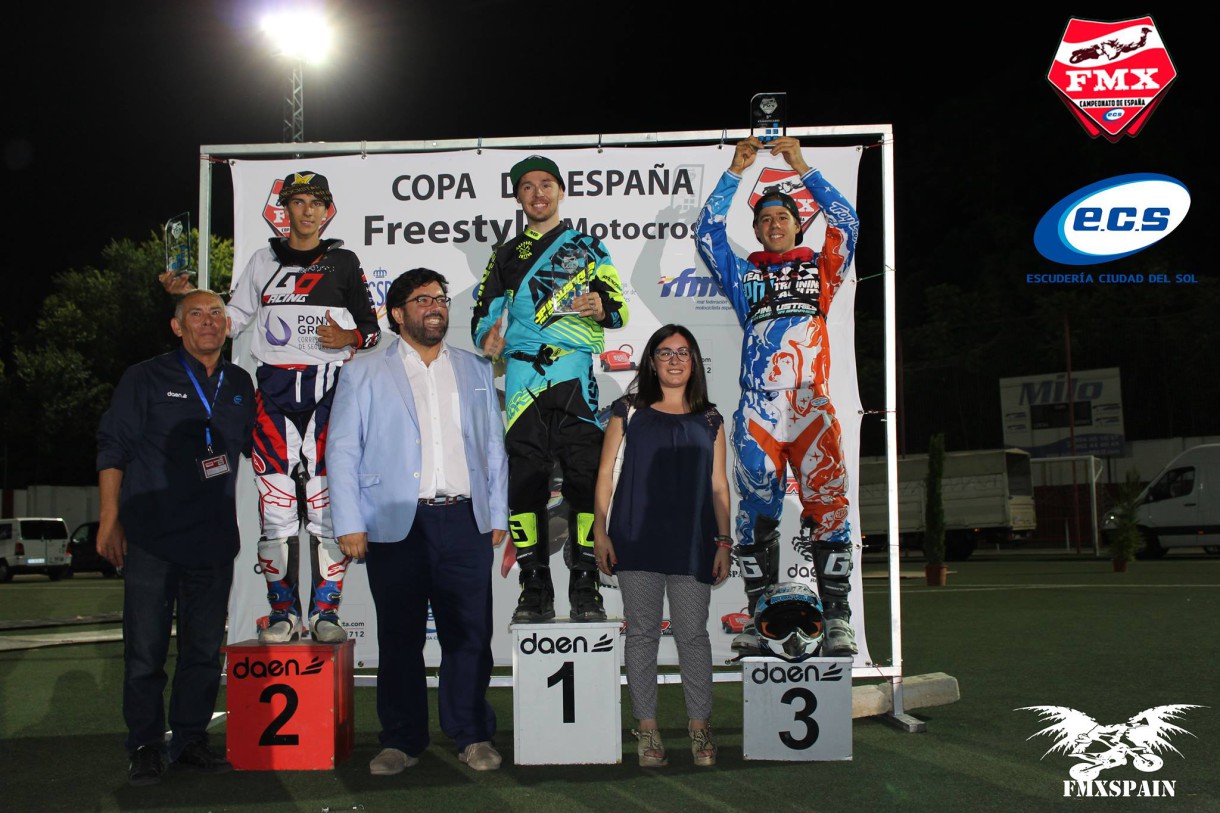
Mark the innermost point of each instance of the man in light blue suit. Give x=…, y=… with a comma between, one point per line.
x=419, y=490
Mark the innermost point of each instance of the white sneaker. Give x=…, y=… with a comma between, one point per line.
x=325, y=629
x=281, y=630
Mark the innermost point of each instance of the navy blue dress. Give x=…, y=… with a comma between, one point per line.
x=662, y=518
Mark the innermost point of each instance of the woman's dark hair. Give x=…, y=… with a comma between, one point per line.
x=647, y=384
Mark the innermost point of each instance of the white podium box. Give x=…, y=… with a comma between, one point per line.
x=796, y=711
x=567, y=697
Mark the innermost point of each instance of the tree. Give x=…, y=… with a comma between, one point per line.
x=1125, y=538
x=94, y=324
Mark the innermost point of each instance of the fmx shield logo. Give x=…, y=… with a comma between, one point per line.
x=1111, y=75
x=1112, y=219
x=277, y=218
x=788, y=182
x=1095, y=748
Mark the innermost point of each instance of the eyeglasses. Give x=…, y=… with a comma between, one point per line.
x=665, y=354
x=423, y=300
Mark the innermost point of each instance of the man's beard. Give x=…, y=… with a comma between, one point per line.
x=427, y=336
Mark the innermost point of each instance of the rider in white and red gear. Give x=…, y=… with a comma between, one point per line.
x=785, y=418
x=310, y=309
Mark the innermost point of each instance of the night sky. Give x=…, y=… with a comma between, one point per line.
x=108, y=105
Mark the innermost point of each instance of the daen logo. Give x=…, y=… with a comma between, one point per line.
x=273, y=667
x=535, y=644
x=804, y=673
x=1112, y=219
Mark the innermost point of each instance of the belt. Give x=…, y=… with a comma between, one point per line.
x=444, y=501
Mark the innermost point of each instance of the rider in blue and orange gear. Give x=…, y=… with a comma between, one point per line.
x=785, y=419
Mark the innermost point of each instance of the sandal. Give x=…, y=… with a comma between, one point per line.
x=702, y=747
x=650, y=749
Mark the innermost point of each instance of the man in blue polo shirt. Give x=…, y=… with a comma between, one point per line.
x=167, y=455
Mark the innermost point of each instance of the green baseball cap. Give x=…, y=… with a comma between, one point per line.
x=531, y=164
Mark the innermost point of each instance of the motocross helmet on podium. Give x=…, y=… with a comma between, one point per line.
x=788, y=621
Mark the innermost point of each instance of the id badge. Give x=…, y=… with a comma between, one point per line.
x=212, y=467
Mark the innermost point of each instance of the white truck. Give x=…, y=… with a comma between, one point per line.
x=1180, y=508
x=988, y=498
x=34, y=545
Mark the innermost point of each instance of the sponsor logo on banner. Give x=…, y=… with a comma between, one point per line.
x=689, y=283
x=1112, y=219
x=788, y=182
x=277, y=218
x=378, y=287
x=1138, y=743
x=1111, y=75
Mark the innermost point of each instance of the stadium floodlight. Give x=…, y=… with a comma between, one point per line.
x=300, y=36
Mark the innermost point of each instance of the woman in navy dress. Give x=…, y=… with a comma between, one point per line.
x=668, y=531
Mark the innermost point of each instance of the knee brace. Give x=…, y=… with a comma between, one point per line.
x=273, y=559
x=579, y=553
x=759, y=562
x=273, y=562
x=332, y=566
x=529, y=532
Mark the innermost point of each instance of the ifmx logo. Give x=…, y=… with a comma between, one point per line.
x=1094, y=748
x=1111, y=75
x=1112, y=219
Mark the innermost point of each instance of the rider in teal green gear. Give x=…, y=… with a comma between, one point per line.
x=560, y=291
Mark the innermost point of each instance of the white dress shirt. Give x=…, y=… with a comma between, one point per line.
x=443, y=469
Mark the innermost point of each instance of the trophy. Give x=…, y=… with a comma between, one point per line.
x=178, y=244
x=767, y=114
x=570, y=265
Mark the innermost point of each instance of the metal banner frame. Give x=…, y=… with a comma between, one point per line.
x=879, y=136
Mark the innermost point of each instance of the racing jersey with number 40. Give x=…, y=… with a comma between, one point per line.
x=288, y=293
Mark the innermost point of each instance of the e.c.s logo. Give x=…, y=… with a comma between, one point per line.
x=1112, y=219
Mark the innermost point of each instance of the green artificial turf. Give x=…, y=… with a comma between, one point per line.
x=1014, y=631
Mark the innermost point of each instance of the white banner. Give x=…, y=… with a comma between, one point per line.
x=446, y=210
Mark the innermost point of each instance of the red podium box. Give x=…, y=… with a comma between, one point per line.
x=291, y=706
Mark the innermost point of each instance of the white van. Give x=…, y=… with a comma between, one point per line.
x=34, y=545
x=1180, y=508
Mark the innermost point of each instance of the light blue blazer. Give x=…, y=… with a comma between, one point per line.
x=373, y=445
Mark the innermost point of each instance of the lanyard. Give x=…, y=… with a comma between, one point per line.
x=207, y=430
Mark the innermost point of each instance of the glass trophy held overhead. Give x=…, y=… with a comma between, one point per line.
x=178, y=245
x=768, y=114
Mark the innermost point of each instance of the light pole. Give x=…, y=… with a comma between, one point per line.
x=299, y=36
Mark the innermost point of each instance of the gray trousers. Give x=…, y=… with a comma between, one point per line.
x=643, y=596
